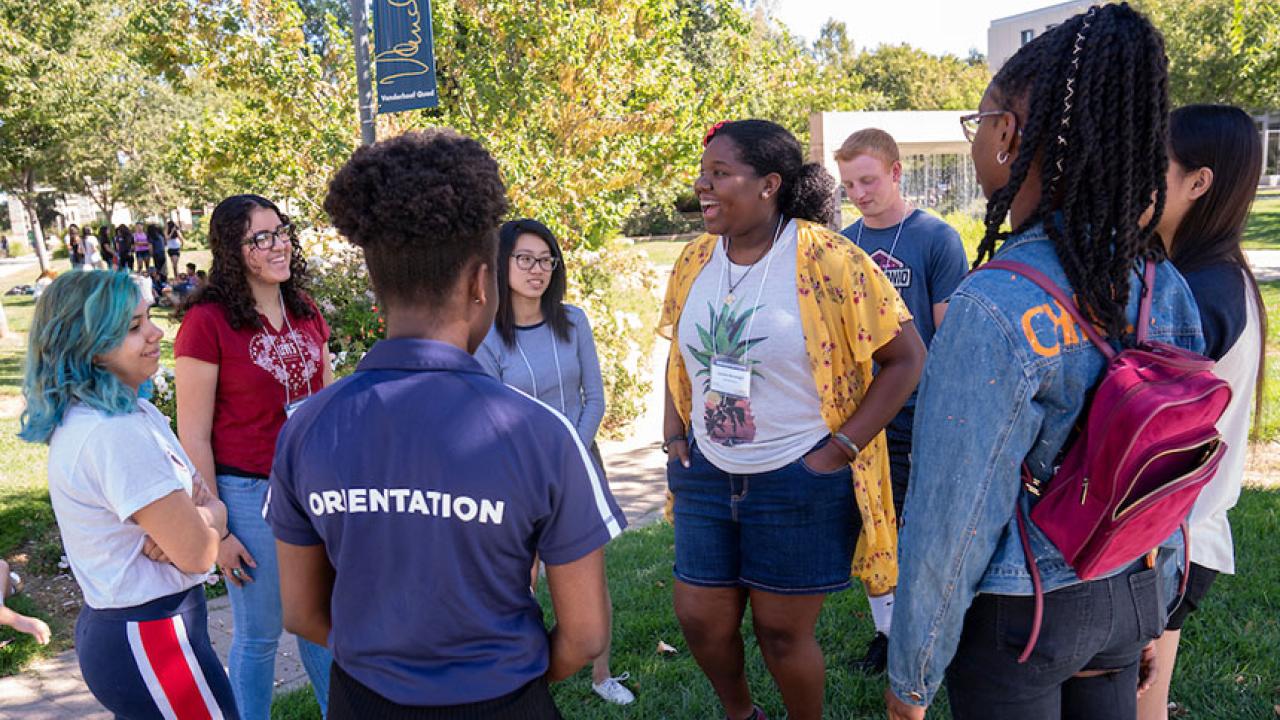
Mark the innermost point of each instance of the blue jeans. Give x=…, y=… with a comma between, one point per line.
x=790, y=531
x=255, y=607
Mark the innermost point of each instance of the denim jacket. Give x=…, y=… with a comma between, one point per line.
x=1005, y=381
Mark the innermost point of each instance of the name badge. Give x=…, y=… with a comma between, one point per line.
x=730, y=377
x=291, y=408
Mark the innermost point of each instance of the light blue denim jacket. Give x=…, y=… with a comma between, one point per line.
x=1006, y=378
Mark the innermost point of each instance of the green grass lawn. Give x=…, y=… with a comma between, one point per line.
x=1229, y=666
x=1263, y=230
x=662, y=252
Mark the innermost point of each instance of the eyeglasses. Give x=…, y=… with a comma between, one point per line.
x=970, y=123
x=267, y=239
x=526, y=262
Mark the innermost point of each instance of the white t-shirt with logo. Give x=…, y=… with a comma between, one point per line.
x=760, y=327
x=102, y=470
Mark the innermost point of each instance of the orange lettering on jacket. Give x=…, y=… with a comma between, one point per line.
x=1064, y=328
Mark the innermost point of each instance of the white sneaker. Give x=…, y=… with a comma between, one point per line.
x=612, y=690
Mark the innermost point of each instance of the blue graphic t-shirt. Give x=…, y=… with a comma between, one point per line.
x=926, y=264
x=431, y=485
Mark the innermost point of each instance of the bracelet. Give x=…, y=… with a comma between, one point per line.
x=849, y=446
x=666, y=444
x=225, y=535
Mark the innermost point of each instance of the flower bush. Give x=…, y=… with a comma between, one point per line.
x=339, y=283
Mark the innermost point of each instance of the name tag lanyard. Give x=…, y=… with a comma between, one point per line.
x=894, y=246
x=289, y=404
x=730, y=376
x=534, y=378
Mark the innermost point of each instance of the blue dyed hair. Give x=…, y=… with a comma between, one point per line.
x=80, y=316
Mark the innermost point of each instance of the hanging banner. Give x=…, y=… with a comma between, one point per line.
x=404, y=60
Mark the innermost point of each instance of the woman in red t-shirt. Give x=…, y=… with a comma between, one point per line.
x=251, y=348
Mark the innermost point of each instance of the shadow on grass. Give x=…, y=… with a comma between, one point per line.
x=1263, y=229
x=11, y=373
x=25, y=514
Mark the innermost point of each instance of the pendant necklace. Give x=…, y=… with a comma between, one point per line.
x=728, y=264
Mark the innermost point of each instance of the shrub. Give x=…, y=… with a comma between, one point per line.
x=340, y=286
x=619, y=293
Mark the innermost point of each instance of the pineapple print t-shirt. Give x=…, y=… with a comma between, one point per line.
x=756, y=324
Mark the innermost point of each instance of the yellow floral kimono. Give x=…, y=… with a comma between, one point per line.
x=848, y=310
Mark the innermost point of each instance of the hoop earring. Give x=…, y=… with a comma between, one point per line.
x=1002, y=157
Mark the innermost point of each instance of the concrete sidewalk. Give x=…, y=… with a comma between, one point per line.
x=53, y=689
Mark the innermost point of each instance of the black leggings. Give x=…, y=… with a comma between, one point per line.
x=349, y=699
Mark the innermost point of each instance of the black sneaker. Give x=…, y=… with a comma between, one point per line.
x=877, y=657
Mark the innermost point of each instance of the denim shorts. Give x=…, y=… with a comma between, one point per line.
x=790, y=531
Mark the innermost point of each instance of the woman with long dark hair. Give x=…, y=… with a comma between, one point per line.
x=252, y=347
x=544, y=347
x=138, y=522
x=107, y=244
x=173, y=241
x=774, y=421
x=1070, y=148
x=124, y=248
x=1215, y=158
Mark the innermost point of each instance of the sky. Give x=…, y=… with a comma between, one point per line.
x=938, y=26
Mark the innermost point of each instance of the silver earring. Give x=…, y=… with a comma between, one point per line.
x=1002, y=157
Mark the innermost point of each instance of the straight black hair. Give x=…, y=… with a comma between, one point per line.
x=1222, y=138
x=553, y=312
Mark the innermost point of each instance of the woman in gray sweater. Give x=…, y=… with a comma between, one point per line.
x=544, y=347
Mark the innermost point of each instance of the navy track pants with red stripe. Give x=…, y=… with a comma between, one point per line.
x=155, y=661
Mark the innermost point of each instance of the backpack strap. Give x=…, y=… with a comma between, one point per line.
x=1049, y=286
x=1038, y=616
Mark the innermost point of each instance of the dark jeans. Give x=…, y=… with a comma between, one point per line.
x=349, y=699
x=1098, y=625
x=898, y=437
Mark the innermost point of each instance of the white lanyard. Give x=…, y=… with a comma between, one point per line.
x=564, y=408
x=297, y=348
x=715, y=350
x=896, y=235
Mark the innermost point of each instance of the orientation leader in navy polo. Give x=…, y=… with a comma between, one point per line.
x=431, y=486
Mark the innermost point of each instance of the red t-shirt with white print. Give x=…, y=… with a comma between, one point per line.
x=260, y=370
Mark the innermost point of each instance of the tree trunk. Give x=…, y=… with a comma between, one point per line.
x=33, y=218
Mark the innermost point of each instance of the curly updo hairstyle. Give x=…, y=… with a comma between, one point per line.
x=807, y=191
x=228, y=284
x=1095, y=89
x=423, y=206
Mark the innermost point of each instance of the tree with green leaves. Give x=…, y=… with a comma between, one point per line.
x=1220, y=51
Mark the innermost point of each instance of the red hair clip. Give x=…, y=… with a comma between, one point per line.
x=711, y=132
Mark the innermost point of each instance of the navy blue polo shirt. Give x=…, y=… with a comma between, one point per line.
x=431, y=485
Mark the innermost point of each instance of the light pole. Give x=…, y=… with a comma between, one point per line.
x=364, y=79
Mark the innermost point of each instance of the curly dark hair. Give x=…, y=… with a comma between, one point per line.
x=807, y=191
x=1095, y=89
x=423, y=206
x=228, y=284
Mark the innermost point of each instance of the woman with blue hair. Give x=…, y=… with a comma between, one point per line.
x=138, y=523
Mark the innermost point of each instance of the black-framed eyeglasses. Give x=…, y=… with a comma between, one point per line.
x=525, y=262
x=267, y=239
x=970, y=123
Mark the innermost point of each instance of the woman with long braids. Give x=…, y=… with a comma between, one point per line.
x=773, y=419
x=252, y=347
x=1215, y=158
x=1069, y=146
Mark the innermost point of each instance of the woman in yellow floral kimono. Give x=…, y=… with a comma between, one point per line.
x=773, y=421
